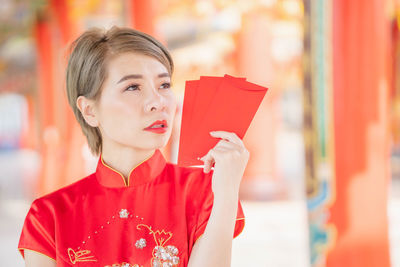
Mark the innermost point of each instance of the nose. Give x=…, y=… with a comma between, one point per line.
x=155, y=101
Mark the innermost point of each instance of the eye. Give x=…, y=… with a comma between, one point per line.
x=134, y=86
x=166, y=85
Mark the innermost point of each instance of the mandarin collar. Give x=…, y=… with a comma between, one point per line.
x=141, y=174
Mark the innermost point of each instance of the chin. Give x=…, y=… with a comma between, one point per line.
x=162, y=144
x=159, y=144
x=155, y=142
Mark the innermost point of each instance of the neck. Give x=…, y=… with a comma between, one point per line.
x=125, y=159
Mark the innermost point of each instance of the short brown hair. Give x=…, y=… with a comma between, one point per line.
x=87, y=67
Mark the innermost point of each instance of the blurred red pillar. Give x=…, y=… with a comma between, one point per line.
x=70, y=149
x=45, y=68
x=61, y=153
x=141, y=15
x=45, y=99
x=361, y=103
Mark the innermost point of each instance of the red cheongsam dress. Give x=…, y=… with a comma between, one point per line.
x=154, y=220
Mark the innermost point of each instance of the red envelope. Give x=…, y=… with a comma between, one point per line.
x=187, y=111
x=216, y=103
x=205, y=92
x=198, y=102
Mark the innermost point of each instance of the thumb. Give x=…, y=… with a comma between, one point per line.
x=208, y=162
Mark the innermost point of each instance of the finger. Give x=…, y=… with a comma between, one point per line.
x=208, y=161
x=209, y=158
x=223, y=144
x=228, y=145
x=208, y=164
x=212, y=156
x=230, y=136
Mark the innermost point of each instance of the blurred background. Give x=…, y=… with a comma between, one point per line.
x=322, y=187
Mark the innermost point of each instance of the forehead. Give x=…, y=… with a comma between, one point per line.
x=134, y=63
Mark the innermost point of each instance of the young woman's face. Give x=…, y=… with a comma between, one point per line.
x=136, y=94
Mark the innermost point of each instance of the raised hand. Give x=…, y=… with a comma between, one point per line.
x=230, y=157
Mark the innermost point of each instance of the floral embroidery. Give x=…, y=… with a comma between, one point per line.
x=78, y=256
x=141, y=243
x=165, y=256
x=162, y=256
x=123, y=213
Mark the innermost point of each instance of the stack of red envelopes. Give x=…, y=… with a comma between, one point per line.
x=215, y=104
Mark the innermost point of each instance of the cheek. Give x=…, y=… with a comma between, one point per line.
x=172, y=103
x=120, y=114
x=122, y=105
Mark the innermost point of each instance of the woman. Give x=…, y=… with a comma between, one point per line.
x=135, y=209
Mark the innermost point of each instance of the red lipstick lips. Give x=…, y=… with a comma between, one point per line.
x=159, y=126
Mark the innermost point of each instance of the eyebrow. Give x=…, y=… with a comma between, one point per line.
x=139, y=76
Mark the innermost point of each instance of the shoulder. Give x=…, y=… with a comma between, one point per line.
x=66, y=193
x=45, y=210
x=194, y=184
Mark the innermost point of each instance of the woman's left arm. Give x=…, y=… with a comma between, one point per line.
x=214, y=247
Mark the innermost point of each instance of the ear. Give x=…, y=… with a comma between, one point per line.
x=86, y=106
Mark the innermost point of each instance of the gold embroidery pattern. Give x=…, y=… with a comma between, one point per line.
x=79, y=256
x=162, y=256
